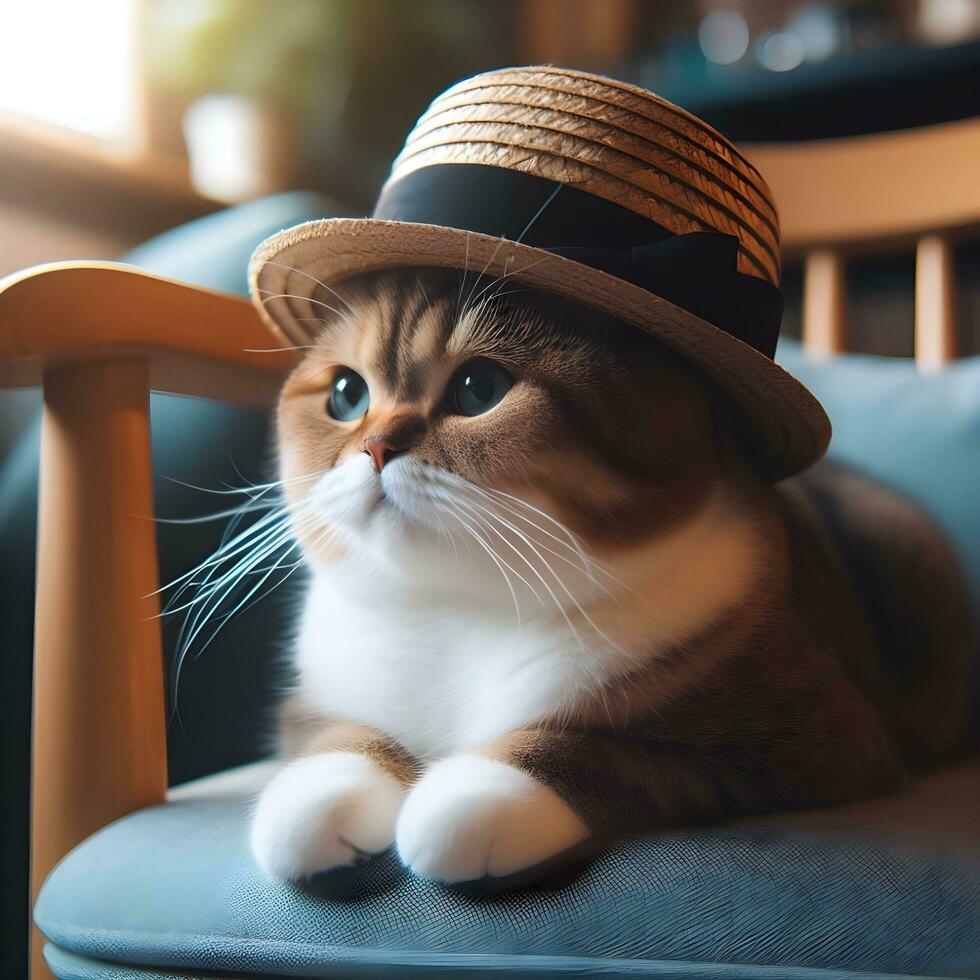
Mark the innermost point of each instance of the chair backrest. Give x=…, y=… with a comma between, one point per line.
x=844, y=198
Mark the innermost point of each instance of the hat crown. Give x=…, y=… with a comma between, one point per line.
x=607, y=138
x=588, y=189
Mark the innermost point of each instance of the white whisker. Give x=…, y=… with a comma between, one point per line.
x=494, y=557
x=248, y=564
x=584, y=569
x=279, y=350
x=554, y=598
x=561, y=584
x=319, y=282
x=309, y=299
x=499, y=280
x=573, y=538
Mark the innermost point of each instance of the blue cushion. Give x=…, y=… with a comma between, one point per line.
x=917, y=433
x=214, y=251
x=70, y=966
x=890, y=886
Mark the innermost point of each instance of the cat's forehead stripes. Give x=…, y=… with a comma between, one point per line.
x=409, y=327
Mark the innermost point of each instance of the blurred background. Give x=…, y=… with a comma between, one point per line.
x=122, y=118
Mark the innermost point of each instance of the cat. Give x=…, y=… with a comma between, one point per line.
x=552, y=601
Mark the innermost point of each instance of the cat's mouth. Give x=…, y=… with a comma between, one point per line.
x=404, y=496
x=403, y=490
x=380, y=502
x=393, y=493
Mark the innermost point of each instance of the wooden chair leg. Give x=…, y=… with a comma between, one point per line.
x=99, y=730
x=824, y=323
x=935, y=303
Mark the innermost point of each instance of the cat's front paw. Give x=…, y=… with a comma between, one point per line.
x=471, y=816
x=324, y=812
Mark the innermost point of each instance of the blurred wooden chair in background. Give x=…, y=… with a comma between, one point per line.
x=838, y=199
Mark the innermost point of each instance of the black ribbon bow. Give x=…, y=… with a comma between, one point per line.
x=698, y=272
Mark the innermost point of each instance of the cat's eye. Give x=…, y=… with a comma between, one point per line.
x=477, y=386
x=349, y=396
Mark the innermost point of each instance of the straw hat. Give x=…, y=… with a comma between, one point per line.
x=593, y=190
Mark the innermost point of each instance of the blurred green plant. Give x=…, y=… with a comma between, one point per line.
x=352, y=75
x=279, y=52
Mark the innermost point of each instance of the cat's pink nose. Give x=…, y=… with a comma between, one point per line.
x=381, y=451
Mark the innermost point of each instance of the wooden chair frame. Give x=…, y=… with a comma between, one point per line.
x=914, y=189
x=98, y=336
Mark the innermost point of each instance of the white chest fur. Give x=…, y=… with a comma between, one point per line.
x=443, y=679
x=438, y=682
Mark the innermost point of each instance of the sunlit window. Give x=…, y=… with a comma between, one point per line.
x=67, y=62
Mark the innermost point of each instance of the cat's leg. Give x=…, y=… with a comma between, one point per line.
x=532, y=794
x=480, y=814
x=334, y=805
x=520, y=800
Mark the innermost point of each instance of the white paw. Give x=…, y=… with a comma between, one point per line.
x=471, y=816
x=323, y=812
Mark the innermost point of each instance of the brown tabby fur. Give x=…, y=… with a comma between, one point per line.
x=844, y=668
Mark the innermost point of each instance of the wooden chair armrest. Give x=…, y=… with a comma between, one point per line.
x=97, y=336
x=195, y=341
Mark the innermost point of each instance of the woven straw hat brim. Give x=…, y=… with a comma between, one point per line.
x=792, y=428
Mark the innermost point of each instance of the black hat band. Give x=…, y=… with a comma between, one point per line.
x=697, y=272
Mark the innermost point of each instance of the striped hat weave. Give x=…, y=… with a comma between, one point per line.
x=616, y=141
